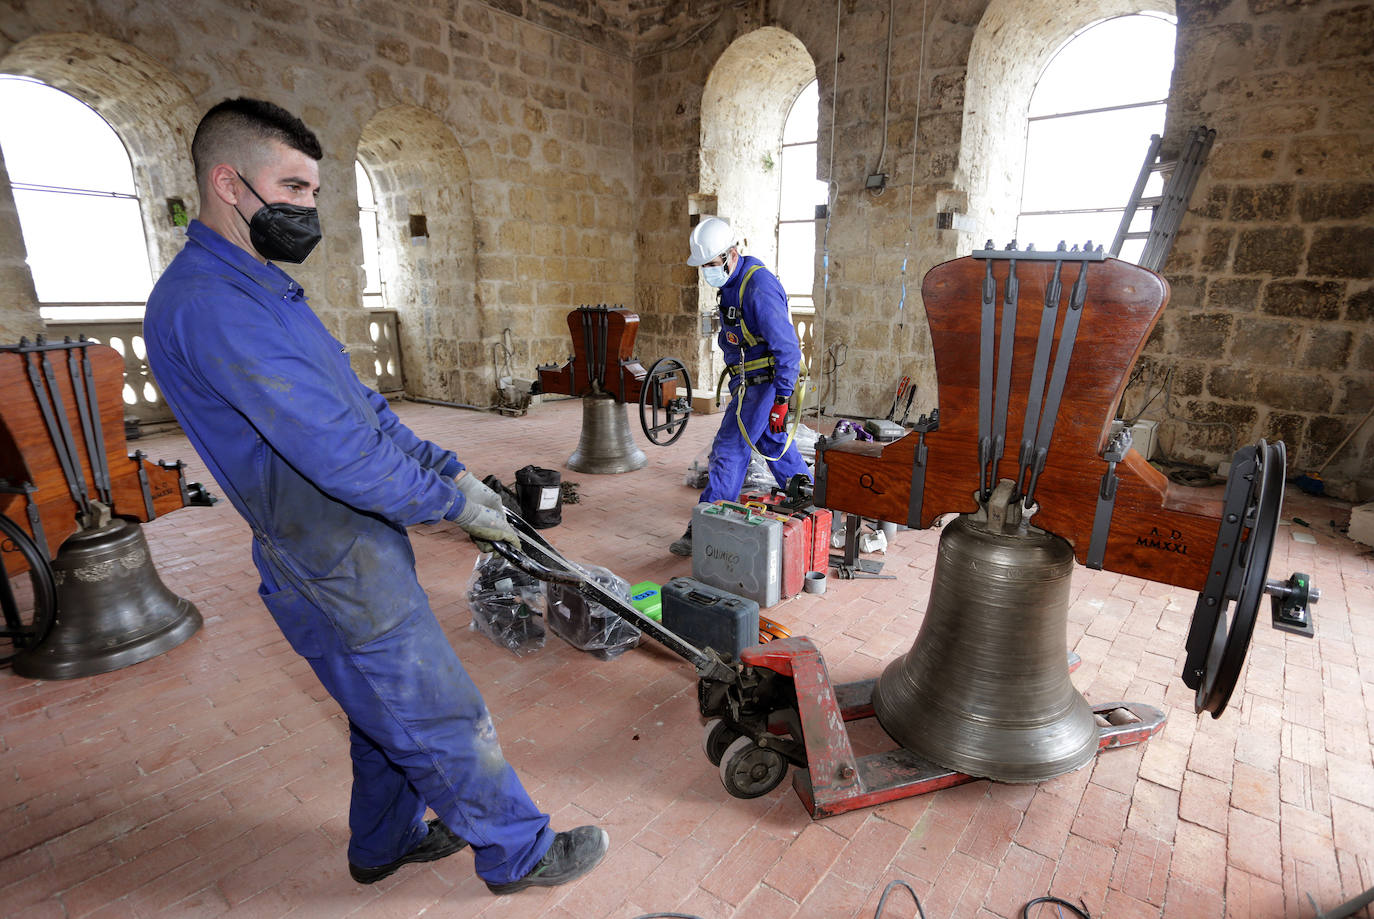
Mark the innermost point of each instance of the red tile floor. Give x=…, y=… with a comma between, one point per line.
x=213, y=779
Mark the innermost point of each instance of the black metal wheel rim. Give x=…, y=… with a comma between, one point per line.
x=664, y=424
x=28, y=601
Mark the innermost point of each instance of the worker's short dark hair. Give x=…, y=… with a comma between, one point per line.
x=230, y=129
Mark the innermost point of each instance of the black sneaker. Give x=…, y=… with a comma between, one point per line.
x=439, y=842
x=683, y=545
x=572, y=855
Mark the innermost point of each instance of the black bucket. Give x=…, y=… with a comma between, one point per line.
x=541, y=496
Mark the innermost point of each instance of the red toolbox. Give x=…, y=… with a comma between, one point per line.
x=818, y=522
x=796, y=544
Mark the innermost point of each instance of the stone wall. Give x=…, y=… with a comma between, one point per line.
x=555, y=151
x=540, y=121
x=1268, y=333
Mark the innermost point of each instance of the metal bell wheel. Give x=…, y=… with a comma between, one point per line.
x=28, y=600
x=663, y=423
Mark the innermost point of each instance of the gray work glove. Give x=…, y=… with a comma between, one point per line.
x=486, y=525
x=473, y=489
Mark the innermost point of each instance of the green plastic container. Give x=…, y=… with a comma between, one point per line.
x=647, y=597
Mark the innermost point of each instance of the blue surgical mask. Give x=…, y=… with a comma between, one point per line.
x=715, y=275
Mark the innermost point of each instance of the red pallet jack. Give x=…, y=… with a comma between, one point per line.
x=776, y=706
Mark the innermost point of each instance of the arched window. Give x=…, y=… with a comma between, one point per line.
x=367, y=222
x=800, y=192
x=78, y=207
x=1088, y=129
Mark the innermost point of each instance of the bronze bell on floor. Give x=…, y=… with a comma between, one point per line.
x=985, y=689
x=606, y=445
x=112, y=608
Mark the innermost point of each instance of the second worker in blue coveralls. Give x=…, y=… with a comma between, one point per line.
x=763, y=358
x=328, y=478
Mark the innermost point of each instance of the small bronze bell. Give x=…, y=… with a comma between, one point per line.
x=606, y=445
x=112, y=608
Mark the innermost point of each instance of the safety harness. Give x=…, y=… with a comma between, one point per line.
x=754, y=368
x=747, y=368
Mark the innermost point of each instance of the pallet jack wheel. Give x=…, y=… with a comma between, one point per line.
x=717, y=738
x=748, y=770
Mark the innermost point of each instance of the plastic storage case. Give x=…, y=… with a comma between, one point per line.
x=817, y=522
x=738, y=550
x=796, y=545
x=709, y=617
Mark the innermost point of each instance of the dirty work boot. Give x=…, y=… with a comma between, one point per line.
x=572, y=855
x=439, y=842
x=683, y=545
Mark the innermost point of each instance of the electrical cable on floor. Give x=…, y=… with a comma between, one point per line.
x=1081, y=913
x=877, y=914
x=882, y=902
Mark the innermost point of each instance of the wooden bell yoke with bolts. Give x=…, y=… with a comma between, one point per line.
x=62, y=444
x=80, y=594
x=1032, y=350
x=604, y=372
x=1160, y=531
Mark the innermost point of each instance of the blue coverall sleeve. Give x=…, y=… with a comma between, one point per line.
x=307, y=414
x=425, y=452
x=766, y=311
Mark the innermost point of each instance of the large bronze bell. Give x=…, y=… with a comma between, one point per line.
x=985, y=689
x=606, y=445
x=112, y=608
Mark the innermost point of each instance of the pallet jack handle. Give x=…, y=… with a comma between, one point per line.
x=553, y=568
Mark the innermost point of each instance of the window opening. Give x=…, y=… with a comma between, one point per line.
x=1088, y=126
x=799, y=193
x=373, y=293
x=78, y=207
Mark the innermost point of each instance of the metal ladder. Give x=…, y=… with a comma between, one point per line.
x=1181, y=177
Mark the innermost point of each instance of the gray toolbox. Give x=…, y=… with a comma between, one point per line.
x=709, y=617
x=737, y=550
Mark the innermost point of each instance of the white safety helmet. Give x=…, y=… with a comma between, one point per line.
x=710, y=238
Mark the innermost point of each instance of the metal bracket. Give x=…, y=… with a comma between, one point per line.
x=924, y=425
x=28, y=489
x=818, y=483
x=180, y=468
x=138, y=458
x=1288, y=601
x=1106, y=498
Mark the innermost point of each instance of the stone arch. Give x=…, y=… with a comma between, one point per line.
x=1014, y=41
x=744, y=105
x=149, y=108
x=752, y=85
x=428, y=252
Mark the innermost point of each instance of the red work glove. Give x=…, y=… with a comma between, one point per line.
x=777, y=418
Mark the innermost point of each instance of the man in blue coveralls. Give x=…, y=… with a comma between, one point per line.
x=328, y=479
x=761, y=354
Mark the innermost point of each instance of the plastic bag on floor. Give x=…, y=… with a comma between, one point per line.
x=806, y=443
x=507, y=605
x=759, y=477
x=699, y=473
x=587, y=625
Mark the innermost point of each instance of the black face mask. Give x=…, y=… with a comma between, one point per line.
x=283, y=232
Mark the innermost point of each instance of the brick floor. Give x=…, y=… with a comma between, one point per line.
x=213, y=780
